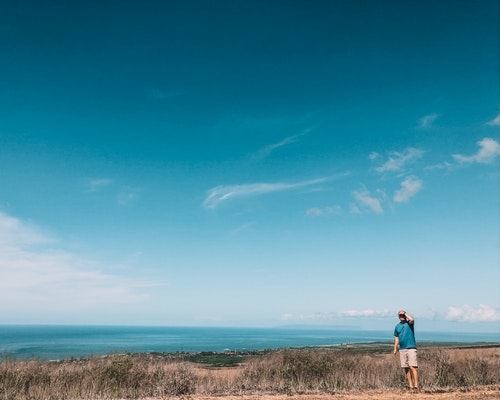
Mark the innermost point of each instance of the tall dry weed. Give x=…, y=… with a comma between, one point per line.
x=285, y=371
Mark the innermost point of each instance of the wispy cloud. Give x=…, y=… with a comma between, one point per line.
x=14, y=232
x=397, y=161
x=367, y=313
x=127, y=196
x=37, y=274
x=495, y=121
x=489, y=149
x=427, y=121
x=326, y=316
x=158, y=94
x=267, y=150
x=324, y=211
x=243, y=227
x=409, y=188
x=124, y=195
x=308, y=317
x=366, y=200
x=220, y=194
x=466, y=313
x=443, y=166
x=94, y=185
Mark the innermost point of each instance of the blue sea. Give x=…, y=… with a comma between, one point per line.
x=55, y=342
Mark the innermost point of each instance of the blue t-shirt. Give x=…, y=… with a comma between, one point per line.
x=406, y=334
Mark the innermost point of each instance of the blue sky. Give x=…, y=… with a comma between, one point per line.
x=250, y=163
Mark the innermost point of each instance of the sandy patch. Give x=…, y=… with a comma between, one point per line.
x=488, y=393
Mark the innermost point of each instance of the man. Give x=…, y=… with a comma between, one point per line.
x=404, y=338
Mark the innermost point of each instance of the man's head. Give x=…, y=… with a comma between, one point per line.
x=402, y=315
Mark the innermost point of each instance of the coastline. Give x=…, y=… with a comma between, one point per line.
x=58, y=342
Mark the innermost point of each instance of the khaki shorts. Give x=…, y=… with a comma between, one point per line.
x=408, y=358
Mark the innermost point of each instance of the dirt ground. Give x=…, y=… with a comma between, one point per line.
x=486, y=393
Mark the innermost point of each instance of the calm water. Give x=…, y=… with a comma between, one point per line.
x=60, y=342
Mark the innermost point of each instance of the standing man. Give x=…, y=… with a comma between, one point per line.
x=404, y=338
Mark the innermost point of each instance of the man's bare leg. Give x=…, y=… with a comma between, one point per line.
x=414, y=373
x=409, y=377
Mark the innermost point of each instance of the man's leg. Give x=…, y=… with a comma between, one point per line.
x=409, y=377
x=413, y=364
x=414, y=372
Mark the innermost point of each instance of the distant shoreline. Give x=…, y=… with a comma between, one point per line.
x=199, y=356
x=63, y=342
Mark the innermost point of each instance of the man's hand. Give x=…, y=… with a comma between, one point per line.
x=396, y=344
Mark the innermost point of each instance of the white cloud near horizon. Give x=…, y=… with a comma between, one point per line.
x=427, y=121
x=367, y=313
x=322, y=316
x=489, y=149
x=397, y=161
x=410, y=186
x=37, y=274
x=467, y=313
x=222, y=193
x=307, y=317
x=482, y=314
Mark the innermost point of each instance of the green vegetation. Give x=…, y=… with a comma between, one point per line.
x=217, y=359
x=308, y=370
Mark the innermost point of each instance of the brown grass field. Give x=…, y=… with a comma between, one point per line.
x=350, y=373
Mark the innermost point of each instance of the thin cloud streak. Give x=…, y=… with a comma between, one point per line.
x=243, y=227
x=98, y=184
x=326, y=316
x=267, y=150
x=325, y=211
x=220, y=194
x=367, y=313
x=466, y=313
x=427, y=121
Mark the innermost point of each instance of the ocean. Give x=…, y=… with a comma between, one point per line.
x=55, y=342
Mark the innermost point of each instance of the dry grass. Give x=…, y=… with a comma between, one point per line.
x=304, y=372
